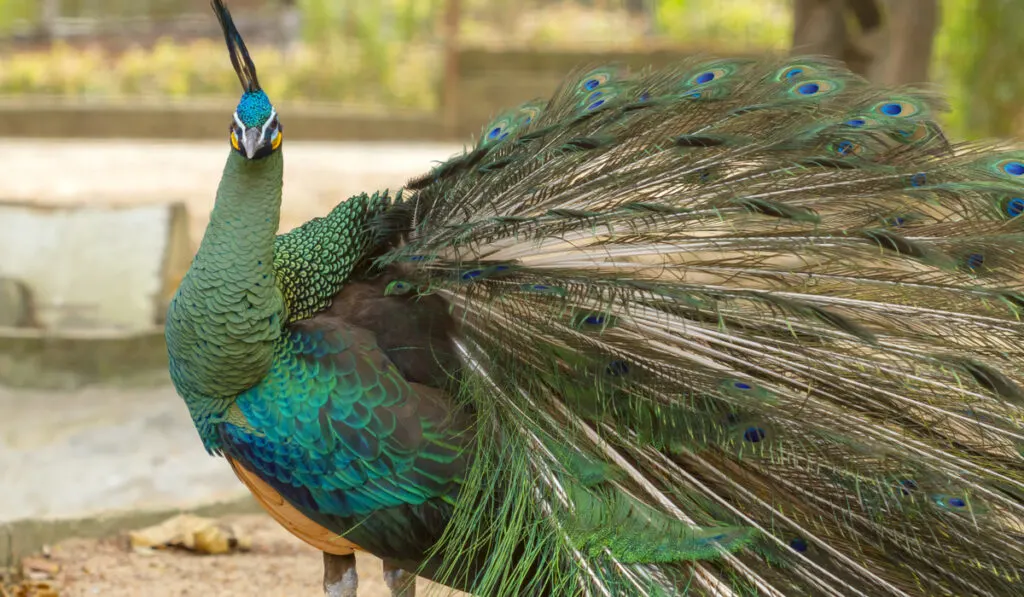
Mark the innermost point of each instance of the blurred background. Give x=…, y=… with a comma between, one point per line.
x=423, y=57
x=113, y=134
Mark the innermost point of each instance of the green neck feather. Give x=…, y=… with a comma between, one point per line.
x=228, y=311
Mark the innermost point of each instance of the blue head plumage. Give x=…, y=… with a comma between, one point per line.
x=254, y=109
x=256, y=131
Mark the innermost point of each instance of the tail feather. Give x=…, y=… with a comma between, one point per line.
x=773, y=298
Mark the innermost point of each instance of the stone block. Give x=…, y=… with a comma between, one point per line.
x=93, y=266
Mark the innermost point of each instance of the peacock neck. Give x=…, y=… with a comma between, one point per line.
x=228, y=312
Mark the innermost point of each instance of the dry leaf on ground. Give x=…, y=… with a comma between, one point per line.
x=194, y=533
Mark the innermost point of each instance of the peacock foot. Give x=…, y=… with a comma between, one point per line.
x=401, y=582
x=340, y=578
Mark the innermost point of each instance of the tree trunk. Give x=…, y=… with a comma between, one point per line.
x=291, y=27
x=819, y=27
x=892, y=50
x=49, y=14
x=906, y=54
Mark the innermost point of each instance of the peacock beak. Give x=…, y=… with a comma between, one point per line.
x=251, y=141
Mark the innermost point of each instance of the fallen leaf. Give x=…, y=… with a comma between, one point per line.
x=36, y=568
x=35, y=589
x=194, y=533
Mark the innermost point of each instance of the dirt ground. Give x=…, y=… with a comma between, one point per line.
x=277, y=565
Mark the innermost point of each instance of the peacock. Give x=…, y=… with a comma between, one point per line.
x=733, y=327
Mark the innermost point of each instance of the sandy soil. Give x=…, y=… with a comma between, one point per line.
x=277, y=565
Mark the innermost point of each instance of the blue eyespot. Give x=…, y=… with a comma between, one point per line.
x=974, y=261
x=754, y=434
x=1014, y=168
x=798, y=544
x=594, y=320
x=495, y=133
x=645, y=96
x=739, y=385
x=919, y=179
x=845, y=148
x=591, y=84
x=808, y=89
x=793, y=72
x=951, y=501
x=595, y=105
x=397, y=287
x=891, y=109
x=617, y=368
x=473, y=273
x=1015, y=207
x=705, y=78
x=856, y=123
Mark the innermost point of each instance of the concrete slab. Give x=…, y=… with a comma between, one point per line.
x=94, y=266
x=317, y=175
x=66, y=455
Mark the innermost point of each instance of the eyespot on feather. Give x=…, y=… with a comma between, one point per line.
x=1012, y=167
x=846, y=148
x=896, y=108
x=1013, y=207
x=593, y=80
x=712, y=72
x=796, y=71
x=815, y=88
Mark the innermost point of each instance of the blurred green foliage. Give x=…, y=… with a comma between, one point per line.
x=387, y=52
x=376, y=52
x=976, y=55
x=336, y=72
x=766, y=24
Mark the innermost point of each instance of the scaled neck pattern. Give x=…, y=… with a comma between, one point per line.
x=228, y=312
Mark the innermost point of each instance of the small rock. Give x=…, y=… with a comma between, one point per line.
x=15, y=304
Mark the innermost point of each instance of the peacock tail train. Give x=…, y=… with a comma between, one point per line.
x=735, y=327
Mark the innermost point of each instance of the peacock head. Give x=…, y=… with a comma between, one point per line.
x=256, y=131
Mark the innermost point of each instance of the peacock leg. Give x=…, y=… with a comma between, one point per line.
x=401, y=583
x=340, y=578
